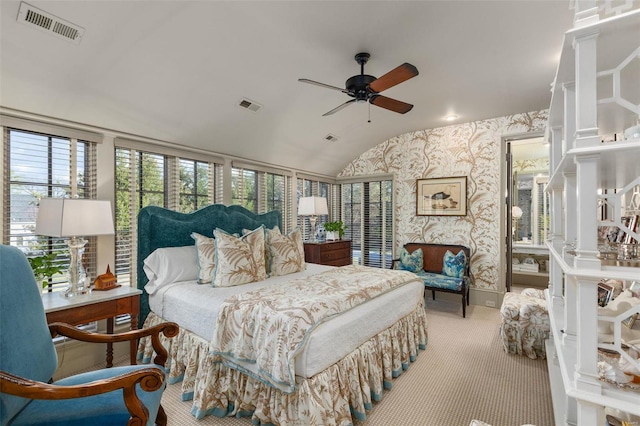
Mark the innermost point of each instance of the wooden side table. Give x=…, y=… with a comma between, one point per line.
x=333, y=253
x=96, y=306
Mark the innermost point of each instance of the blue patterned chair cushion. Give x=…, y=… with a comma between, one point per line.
x=454, y=265
x=411, y=262
x=441, y=281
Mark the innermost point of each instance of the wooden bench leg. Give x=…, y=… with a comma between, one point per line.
x=464, y=304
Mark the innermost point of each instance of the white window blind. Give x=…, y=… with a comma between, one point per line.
x=160, y=179
x=243, y=188
x=140, y=182
x=39, y=166
x=367, y=210
x=261, y=191
x=307, y=187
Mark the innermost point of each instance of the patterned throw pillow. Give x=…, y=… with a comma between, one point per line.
x=411, y=262
x=205, y=254
x=239, y=260
x=454, y=265
x=286, y=252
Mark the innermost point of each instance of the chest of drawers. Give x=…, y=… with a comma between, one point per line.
x=333, y=253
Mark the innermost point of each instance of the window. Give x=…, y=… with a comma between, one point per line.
x=261, y=190
x=367, y=210
x=308, y=187
x=194, y=185
x=39, y=165
x=149, y=175
x=243, y=188
x=140, y=182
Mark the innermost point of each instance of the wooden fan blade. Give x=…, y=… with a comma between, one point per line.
x=391, y=104
x=396, y=76
x=339, y=107
x=305, y=80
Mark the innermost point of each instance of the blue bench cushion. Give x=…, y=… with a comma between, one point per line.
x=441, y=281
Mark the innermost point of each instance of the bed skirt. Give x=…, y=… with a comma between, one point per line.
x=334, y=396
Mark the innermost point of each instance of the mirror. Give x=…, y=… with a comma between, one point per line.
x=530, y=211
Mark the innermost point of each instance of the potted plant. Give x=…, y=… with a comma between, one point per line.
x=45, y=267
x=335, y=230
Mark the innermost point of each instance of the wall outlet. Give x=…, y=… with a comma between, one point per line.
x=490, y=303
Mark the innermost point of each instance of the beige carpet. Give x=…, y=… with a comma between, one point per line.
x=463, y=374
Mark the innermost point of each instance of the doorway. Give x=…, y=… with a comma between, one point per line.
x=526, y=211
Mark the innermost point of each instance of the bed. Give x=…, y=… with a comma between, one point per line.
x=372, y=340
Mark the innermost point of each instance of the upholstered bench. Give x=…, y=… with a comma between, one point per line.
x=524, y=323
x=442, y=267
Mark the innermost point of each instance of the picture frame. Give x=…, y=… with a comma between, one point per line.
x=441, y=196
x=605, y=292
x=630, y=321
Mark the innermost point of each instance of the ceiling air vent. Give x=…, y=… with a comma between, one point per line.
x=250, y=105
x=331, y=138
x=43, y=21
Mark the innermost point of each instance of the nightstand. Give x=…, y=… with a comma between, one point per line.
x=96, y=306
x=333, y=253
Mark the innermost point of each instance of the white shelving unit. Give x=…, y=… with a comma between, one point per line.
x=596, y=92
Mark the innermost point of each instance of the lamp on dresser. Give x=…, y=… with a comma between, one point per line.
x=74, y=218
x=312, y=207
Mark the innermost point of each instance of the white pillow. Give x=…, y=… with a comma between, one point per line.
x=170, y=264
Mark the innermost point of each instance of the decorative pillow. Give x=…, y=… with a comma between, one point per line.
x=239, y=260
x=205, y=254
x=170, y=264
x=286, y=252
x=454, y=265
x=411, y=262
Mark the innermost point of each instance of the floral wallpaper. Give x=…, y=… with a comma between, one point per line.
x=469, y=149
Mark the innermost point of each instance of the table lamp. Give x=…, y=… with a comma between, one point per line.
x=74, y=218
x=516, y=214
x=312, y=207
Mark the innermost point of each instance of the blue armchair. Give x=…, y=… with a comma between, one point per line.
x=114, y=396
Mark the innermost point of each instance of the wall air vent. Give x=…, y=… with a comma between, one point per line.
x=331, y=138
x=249, y=105
x=46, y=22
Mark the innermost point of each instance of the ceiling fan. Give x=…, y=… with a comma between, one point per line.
x=366, y=88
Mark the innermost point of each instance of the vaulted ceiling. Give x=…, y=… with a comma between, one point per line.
x=175, y=71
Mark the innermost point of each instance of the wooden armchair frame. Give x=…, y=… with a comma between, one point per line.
x=150, y=379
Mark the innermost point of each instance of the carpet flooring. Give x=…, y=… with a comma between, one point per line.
x=463, y=374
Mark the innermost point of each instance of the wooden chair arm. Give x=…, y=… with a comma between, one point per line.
x=150, y=379
x=169, y=329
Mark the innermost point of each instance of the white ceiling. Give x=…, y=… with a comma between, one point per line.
x=175, y=70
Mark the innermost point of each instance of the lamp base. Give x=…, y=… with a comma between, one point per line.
x=312, y=222
x=77, y=274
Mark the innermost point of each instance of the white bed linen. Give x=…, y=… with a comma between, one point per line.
x=195, y=307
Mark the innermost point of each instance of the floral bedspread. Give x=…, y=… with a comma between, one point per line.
x=260, y=332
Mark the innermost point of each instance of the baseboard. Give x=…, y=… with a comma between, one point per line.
x=480, y=297
x=484, y=297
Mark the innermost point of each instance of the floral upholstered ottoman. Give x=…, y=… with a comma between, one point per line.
x=524, y=323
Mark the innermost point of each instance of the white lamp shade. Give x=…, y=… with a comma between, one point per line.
x=312, y=206
x=516, y=212
x=74, y=217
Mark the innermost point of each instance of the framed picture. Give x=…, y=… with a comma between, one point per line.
x=630, y=321
x=605, y=291
x=441, y=196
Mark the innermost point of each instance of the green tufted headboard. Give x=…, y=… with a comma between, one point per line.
x=159, y=227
